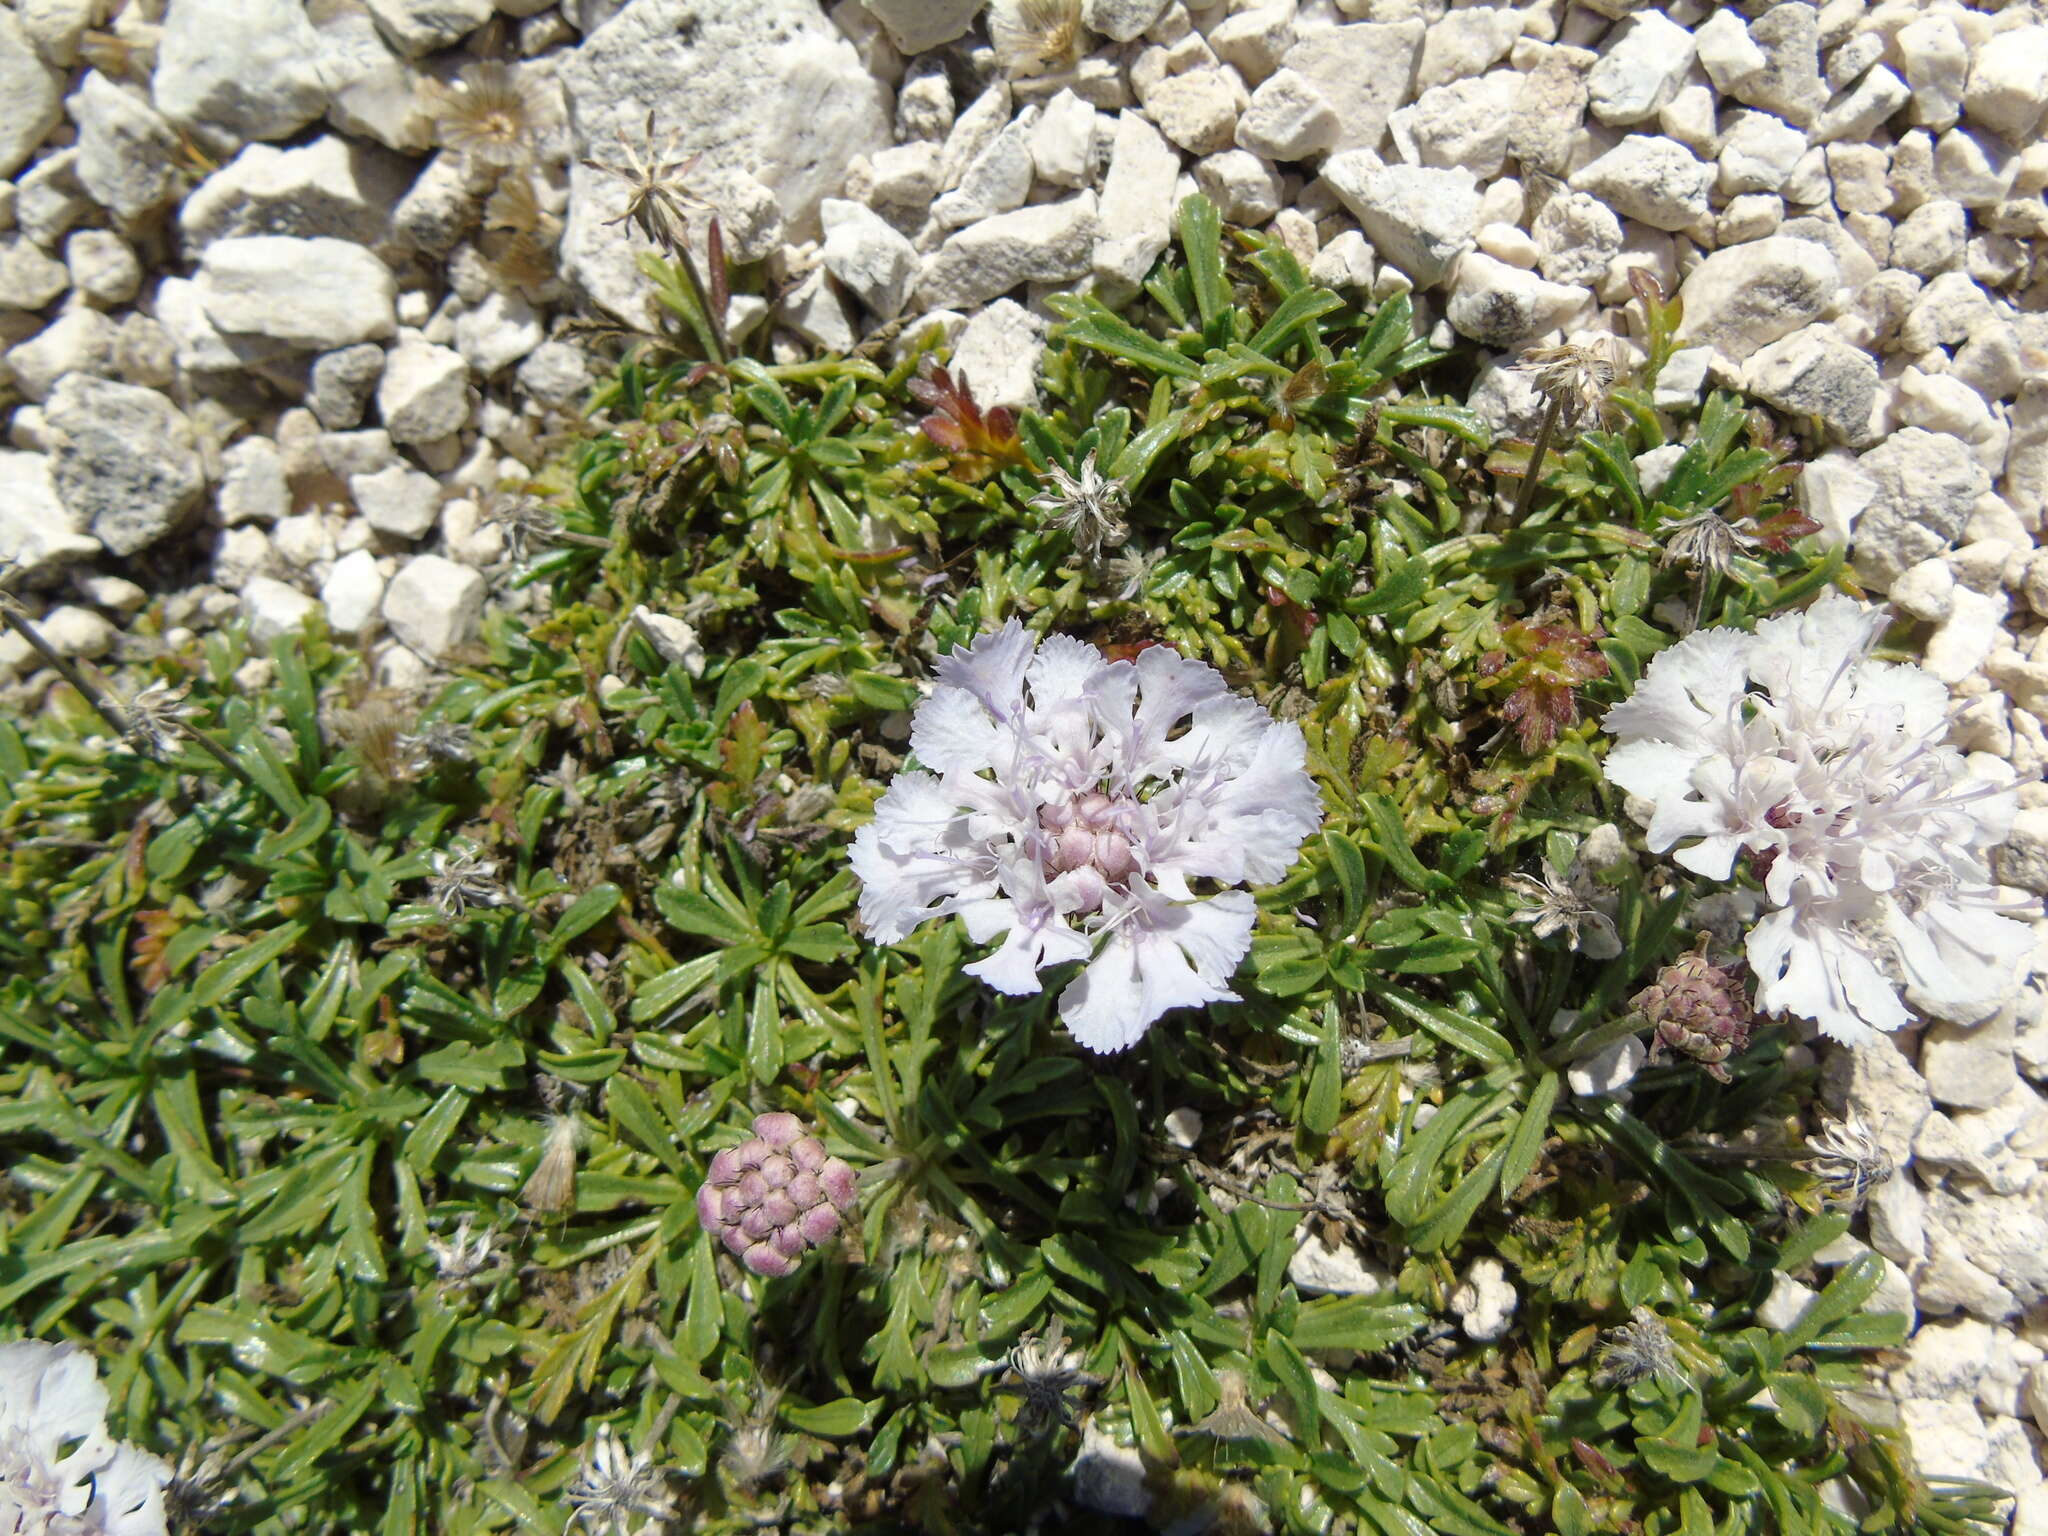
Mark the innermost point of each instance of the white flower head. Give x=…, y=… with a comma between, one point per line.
x=60, y=1471
x=1079, y=809
x=1829, y=771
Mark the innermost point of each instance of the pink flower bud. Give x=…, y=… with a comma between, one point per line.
x=775, y=1195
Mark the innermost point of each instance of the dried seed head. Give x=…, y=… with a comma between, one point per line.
x=615, y=1487
x=1698, y=1009
x=462, y=879
x=1640, y=1350
x=1086, y=507
x=490, y=114
x=465, y=1255
x=1554, y=903
x=1046, y=1375
x=436, y=743
x=1036, y=37
x=1572, y=378
x=153, y=715
x=775, y=1195
x=1849, y=1161
x=553, y=1185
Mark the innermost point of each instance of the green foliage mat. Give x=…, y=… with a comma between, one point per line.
x=254, y=1080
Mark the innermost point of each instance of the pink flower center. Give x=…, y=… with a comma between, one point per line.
x=1087, y=833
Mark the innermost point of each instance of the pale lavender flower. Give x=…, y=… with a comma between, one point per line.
x=1829, y=771
x=1067, y=805
x=60, y=1471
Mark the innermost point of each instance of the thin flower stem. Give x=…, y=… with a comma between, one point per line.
x=219, y=753
x=93, y=695
x=1527, y=496
x=96, y=696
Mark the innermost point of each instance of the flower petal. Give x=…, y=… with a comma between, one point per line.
x=992, y=669
x=952, y=733
x=1168, y=955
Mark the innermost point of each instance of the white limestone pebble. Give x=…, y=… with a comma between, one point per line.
x=1486, y=1302
x=876, y=263
x=126, y=460
x=1136, y=212
x=352, y=593
x=1419, y=218
x=433, y=605
x=1748, y=296
x=1651, y=178
x=1288, y=118
x=1640, y=69
x=997, y=354
x=274, y=608
x=397, y=500
x=423, y=395
x=38, y=533
x=313, y=294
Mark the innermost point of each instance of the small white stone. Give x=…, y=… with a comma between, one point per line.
x=1243, y=187
x=1485, y=1302
x=1653, y=179
x=36, y=532
x=1341, y=1271
x=1739, y=300
x=398, y=500
x=1364, y=71
x=1465, y=43
x=1965, y=639
x=424, y=393
x=1640, y=68
x=673, y=640
x=1044, y=243
x=2008, y=85
x=79, y=341
x=434, y=605
x=1725, y=49
x=1254, y=41
x=1680, y=379
x=876, y=263
x=352, y=593
x=1464, y=123
x=274, y=608
x=252, y=484
x=1137, y=206
x=997, y=355
x=1346, y=262
x=1936, y=62
x=102, y=266
x=1418, y=218
x=1781, y=1309
x=1109, y=1478
x=1925, y=591
x=1857, y=114
x=495, y=332
x=996, y=180
x=1288, y=119
x=1500, y=305
x=316, y=294
x=1198, y=110
x=1506, y=242
x=1184, y=1127
x=1062, y=143
x=1758, y=153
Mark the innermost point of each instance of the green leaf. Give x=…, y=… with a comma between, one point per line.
x=1480, y=1041
x=1201, y=238
x=1285, y=1361
x=225, y=976
x=1364, y=1323
x=1320, y=1105
x=1526, y=1141
x=583, y=914
x=1853, y=1284
x=834, y=1420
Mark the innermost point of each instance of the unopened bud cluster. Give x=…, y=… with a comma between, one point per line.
x=1698, y=1009
x=775, y=1195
